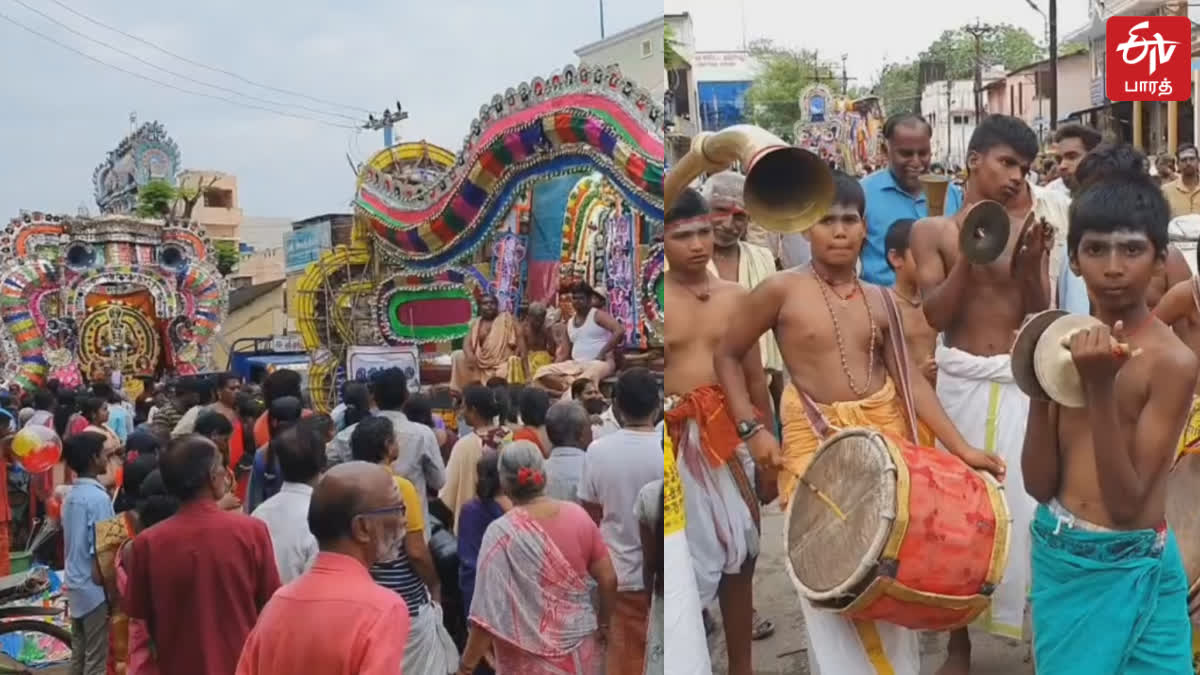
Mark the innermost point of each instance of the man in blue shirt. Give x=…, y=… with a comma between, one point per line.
x=894, y=192
x=86, y=504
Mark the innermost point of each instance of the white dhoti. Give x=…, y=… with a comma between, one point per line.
x=721, y=532
x=429, y=649
x=982, y=399
x=686, y=651
x=839, y=646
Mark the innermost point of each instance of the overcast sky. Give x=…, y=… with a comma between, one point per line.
x=61, y=113
x=869, y=32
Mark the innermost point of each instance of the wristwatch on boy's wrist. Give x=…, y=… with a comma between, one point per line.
x=747, y=428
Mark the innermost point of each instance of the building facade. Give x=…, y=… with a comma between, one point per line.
x=255, y=311
x=216, y=206
x=305, y=243
x=1153, y=127
x=258, y=266
x=681, y=102
x=1025, y=92
x=949, y=107
x=722, y=80
x=638, y=52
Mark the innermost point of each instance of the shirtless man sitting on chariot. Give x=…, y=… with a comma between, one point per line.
x=1109, y=592
x=715, y=468
x=817, y=312
x=978, y=309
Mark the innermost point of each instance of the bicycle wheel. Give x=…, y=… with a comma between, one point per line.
x=8, y=665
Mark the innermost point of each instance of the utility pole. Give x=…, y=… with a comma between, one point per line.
x=978, y=31
x=1053, y=30
x=386, y=122
x=845, y=88
x=601, y=19
x=949, y=116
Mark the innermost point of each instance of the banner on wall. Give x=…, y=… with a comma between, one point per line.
x=362, y=361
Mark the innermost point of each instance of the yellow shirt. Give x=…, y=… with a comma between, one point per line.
x=1183, y=200
x=412, y=504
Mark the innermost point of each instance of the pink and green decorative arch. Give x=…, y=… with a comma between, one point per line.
x=579, y=120
x=428, y=307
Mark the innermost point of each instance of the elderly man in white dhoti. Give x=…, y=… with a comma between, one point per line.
x=978, y=309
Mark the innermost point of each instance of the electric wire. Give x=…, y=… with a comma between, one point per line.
x=206, y=66
x=173, y=73
x=167, y=84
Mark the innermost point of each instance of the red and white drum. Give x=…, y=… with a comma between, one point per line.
x=882, y=529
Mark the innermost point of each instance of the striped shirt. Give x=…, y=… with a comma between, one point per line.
x=398, y=575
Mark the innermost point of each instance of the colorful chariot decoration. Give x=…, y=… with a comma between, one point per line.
x=493, y=219
x=80, y=295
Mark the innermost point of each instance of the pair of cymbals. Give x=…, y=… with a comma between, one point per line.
x=984, y=232
x=1041, y=362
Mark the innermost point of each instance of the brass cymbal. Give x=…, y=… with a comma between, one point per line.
x=984, y=233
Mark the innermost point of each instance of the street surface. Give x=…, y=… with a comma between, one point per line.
x=785, y=652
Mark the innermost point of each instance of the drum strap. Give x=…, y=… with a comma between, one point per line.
x=1196, y=290
x=899, y=347
x=900, y=353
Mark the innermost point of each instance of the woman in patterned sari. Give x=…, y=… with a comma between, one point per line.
x=532, y=605
x=111, y=534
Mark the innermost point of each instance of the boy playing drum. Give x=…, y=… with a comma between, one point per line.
x=817, y=312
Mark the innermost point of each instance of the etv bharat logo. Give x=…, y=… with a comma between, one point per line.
x=1148, y=58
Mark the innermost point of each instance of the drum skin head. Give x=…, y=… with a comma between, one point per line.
x=829, y=556
x=984, y=233
x=1022, y=353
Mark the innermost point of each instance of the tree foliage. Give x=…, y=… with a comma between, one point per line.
x=155, y=199
x=187, y=196
x=897, y=88
x=1006, y=46
x=773, y=100
x=227, y=257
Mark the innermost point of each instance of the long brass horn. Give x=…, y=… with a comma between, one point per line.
x=935, y=188
x=788, y=189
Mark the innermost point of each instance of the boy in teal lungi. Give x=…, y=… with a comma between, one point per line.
x=1109, y=593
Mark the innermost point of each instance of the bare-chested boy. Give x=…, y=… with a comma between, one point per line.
x=920, y=336
x=978, y=309
x=1109, y=591
x=718, y=473
x=834, y=333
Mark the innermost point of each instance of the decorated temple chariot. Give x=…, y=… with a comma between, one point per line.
x=558, y=180
x=82, y=296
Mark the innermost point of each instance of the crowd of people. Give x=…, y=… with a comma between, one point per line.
x=215, y=526
x=789, y=336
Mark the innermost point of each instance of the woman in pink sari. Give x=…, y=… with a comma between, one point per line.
x=533, y=604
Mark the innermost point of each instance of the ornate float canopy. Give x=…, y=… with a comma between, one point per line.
x=145, y=155
x=78, y=294
x=576, y=121
x=337, y=296
x=846, y=132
